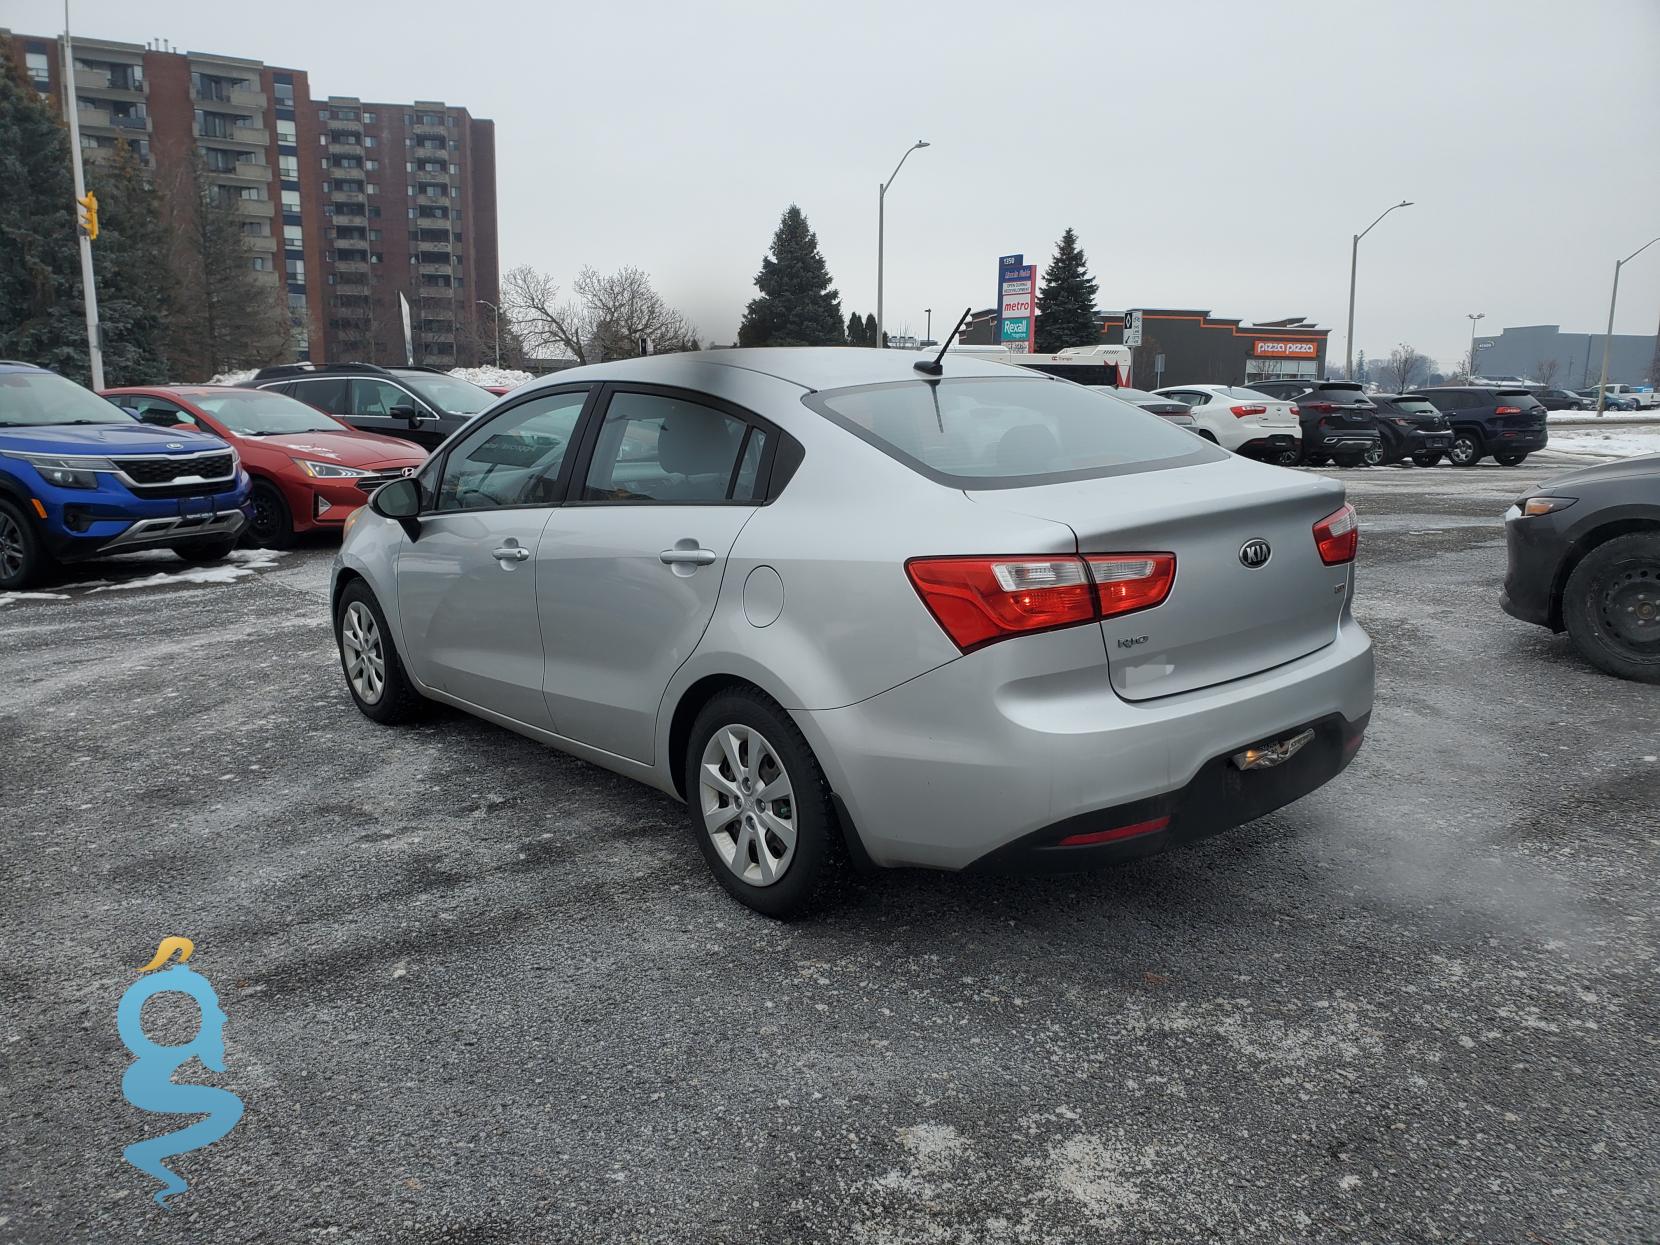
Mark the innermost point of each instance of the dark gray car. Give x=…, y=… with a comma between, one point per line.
x=420, y=404
x=1584, y=557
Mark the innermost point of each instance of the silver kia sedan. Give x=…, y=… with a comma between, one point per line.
x=853, y=613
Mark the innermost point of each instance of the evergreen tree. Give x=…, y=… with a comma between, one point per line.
x=226, y=315
x=797, y=306
x=1066, y=304
x=855, y=329
x=41, y=315
x=1360, y=368
x=134, y=283
x=870, y=330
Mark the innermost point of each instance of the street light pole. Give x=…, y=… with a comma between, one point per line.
x=881, y=223
x=1472, y=317
x=928, y=331
x=1354, y=259
x=89, y=289
x=484, y=302
x=1608, y=337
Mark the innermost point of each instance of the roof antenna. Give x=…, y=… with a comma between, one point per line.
x=931, y=367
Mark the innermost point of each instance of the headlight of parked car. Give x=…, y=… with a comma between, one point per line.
x=1546, y=505
x=328, y=471
x=73, y=471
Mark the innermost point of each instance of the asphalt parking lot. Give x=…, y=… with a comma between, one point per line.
x=480, y=992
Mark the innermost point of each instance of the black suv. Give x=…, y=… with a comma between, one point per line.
x=1507, y=422
x=420, y=404
x=1412, y=428
x=1561, y=399
x=1338, y=421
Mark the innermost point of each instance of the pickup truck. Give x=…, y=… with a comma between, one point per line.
x=1644, y=396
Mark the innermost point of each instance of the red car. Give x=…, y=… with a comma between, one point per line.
x=309, y=470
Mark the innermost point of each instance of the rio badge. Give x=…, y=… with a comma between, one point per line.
x=148, y=1082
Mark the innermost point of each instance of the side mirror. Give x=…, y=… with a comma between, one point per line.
x=412, y=415
x=161, y=419
x=401, y=500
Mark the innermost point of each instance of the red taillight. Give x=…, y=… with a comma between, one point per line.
x=1120, y=832
x=1294, y=411
x=1507, y=410
x=1125, y=583
x=1240, y=412
x=1338, y=536
x=980, y=600
x=1321, y=408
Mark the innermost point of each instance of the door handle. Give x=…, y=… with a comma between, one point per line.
x=511, y=553
x=687, y=557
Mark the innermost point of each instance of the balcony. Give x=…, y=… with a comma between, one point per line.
x=121, y=81
x=254, y=101
x=349, y=211
x=245, y=171
x=94, y=118
x=130, y=121
x=253, y=207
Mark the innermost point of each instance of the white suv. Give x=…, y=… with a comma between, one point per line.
x=1243, y=420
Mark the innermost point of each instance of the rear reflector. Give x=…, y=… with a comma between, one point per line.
x=1112, y=836
x=1507, y=410
x=1338, y=536
x=1240, y=412
x=977, y=601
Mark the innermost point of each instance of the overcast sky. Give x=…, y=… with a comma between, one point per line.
x=1210, y=155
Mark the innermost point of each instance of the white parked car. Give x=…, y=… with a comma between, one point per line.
x=1243, y=420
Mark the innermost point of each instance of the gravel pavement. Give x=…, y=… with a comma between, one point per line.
x=481, y=992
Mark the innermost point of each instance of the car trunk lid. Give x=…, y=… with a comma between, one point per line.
x=1224, y=618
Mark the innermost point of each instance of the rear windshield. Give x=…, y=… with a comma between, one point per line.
x=996, y=433
x=1234, y=391
x=1340, y=389
x=1516, y=397
x=1414, y=406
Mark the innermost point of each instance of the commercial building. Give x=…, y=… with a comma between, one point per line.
x=1573, y=360
x=1196, y=347
x=346, y=204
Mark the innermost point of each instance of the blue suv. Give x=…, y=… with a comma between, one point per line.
x=80, y=478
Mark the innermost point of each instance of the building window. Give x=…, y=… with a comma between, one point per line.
x=283, y=93
x=39, y=67
x=368, y=118
x=322, y=114
x=256, y=229
x=372, y=189
x=291, y=235
x=285, y=132
x=374, y=235
x=345, y=114
x=291, y=200
x=288, y=166
x=371, y=166
x=296, y=269
x=259, y=263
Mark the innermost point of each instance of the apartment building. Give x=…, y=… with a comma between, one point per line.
x=346, y=204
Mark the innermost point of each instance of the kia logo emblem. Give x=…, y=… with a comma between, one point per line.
x=174, y=445
x=1255, y=553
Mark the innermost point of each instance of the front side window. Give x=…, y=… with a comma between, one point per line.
x=657, y=448
x=377, y=397
x=155, y=410
x=515, y=459
x=997, y=433
x=451, y=394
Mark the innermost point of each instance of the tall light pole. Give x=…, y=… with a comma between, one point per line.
x=1354, y=256
x=928, y=331
x=1472, y=317
x=89, y=290
x=881, y=210
x=483, y=302
x=1608, y=337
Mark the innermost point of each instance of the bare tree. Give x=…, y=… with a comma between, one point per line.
x=1404, y=368
x=608, y=318
x=1545, y=370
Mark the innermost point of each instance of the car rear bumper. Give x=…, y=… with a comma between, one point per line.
x=1533, y=554
x=1268, y=445
x=996, y=751
x=1509, y=440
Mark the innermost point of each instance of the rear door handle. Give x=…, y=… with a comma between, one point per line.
x=511, y=553
x=687, y=557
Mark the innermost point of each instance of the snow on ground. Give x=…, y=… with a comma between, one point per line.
x=1609, y=417
x=6, y=598
x=1609, y=443
x=491, y=375
x=241, y=562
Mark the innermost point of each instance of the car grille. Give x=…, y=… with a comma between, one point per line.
x=370, y=483
x=164, y=470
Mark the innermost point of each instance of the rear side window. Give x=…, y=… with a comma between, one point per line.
x=655, y=448
x=996, y=433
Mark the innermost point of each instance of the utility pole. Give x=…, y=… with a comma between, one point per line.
x=1608, y=337
x=928, y=332
x=881, y=225
x=1354, y=260
x=1472, y=317
x=89, y=290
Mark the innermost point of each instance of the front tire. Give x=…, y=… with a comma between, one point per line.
x=272, y=526
x=760, y=807
x=1466, y=450
x=24, y=560
x=207, y=551
x=1510, y=460
x=1427, y=458
x=1611, y=607
x=374, y=672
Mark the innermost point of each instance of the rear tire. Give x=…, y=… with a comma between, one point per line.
x=1375, y=456
x=1350, y=460
x=1287, y=458
x=1466, y=450
x=24, y=560
x=206, y=551
x=1315, y=460
x=751, y=783
x=1510, y=460
x=1427, y=458
x=1603, y=607
x=272, y=526
x=374, y=672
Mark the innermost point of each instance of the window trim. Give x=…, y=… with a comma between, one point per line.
x=764, y=482
x=431, y=476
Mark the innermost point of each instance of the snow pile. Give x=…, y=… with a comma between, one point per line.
x=233, y=378
x=504, y=377
x=1596, y=443
x=1608, y=417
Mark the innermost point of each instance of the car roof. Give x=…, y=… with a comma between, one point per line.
x=13, y=365
x=811, y=367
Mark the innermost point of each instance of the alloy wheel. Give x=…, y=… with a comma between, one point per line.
x=365, y=656
x=12, y=554
x=748, y=804
x=1374, y=456
x=264, y=523
x=1463, y=452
